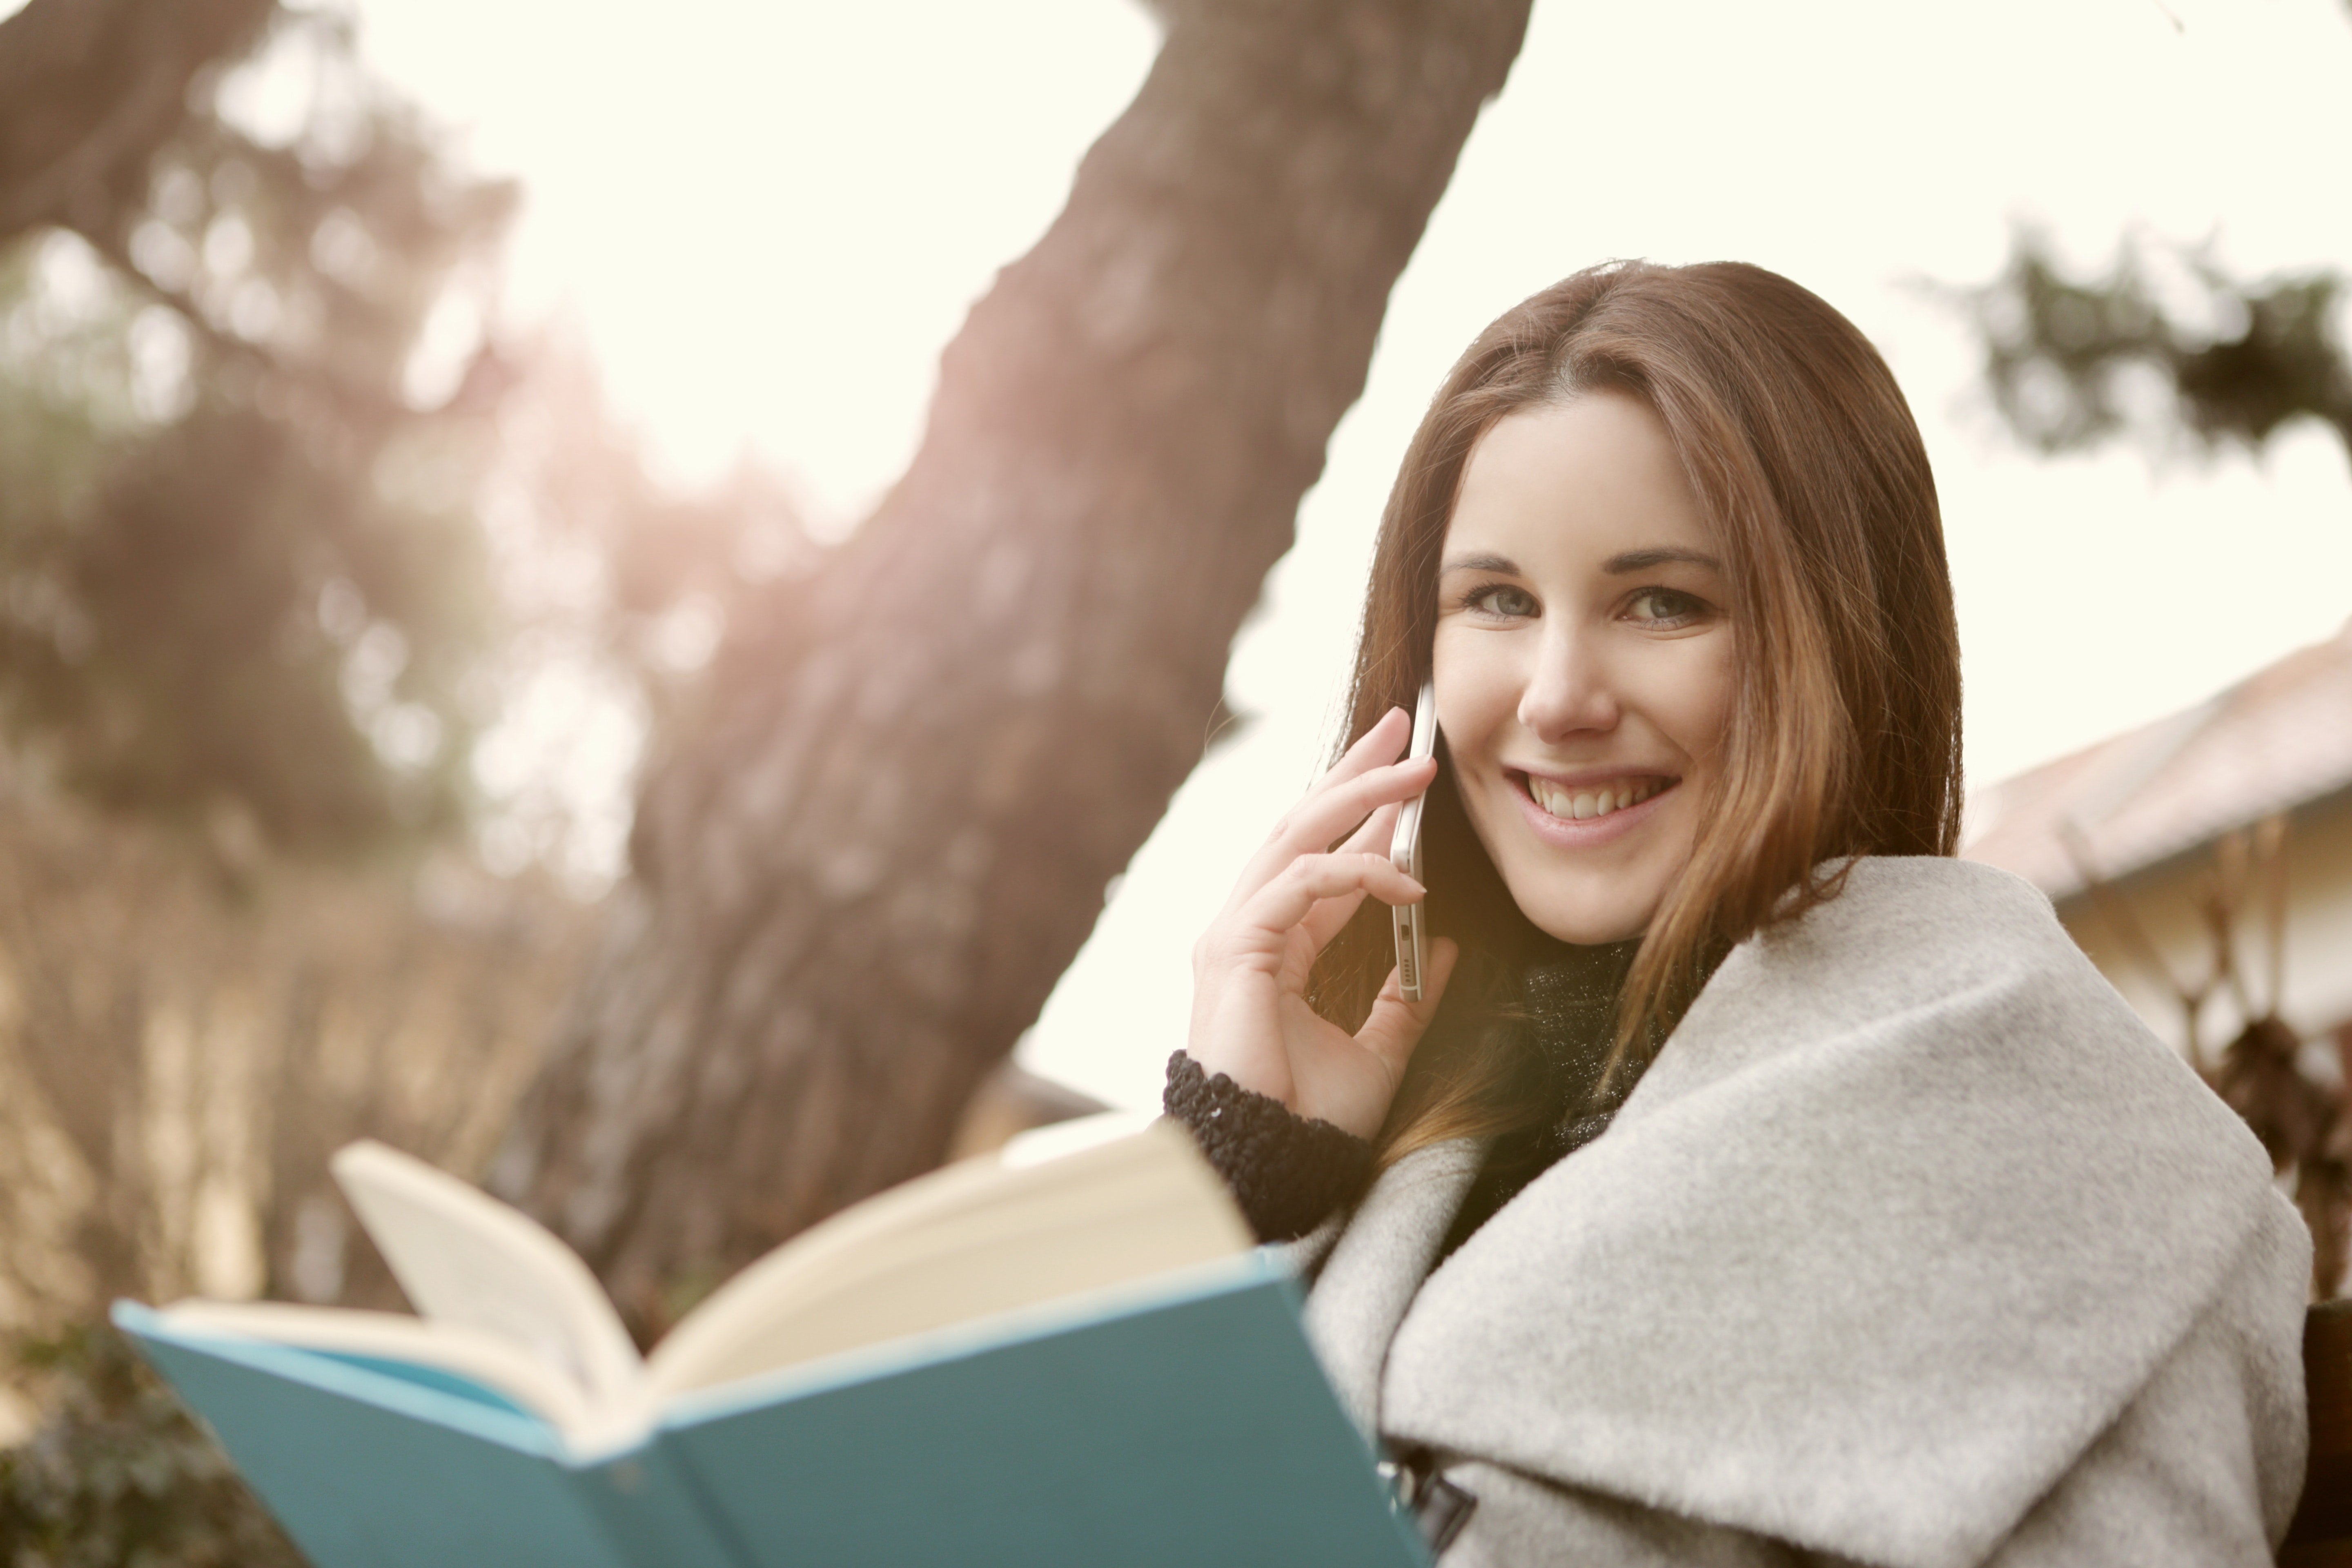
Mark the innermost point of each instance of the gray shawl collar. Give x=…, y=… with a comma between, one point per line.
x=1904, y=1214
x=1370, y=1270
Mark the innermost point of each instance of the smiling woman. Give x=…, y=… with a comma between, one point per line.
x=1744, y=1187
x=1583, y=662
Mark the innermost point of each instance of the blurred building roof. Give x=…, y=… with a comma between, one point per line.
x=2278, y=739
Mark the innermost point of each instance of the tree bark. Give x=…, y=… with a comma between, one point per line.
x=90, y=88
x=860, y=871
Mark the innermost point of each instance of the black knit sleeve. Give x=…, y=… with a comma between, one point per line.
x=1285, y=1171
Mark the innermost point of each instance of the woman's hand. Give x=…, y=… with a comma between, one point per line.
x=1250, y=1016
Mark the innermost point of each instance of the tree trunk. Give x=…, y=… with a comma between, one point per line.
x=858, y=872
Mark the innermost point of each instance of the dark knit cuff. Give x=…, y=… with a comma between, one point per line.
x=1286, y=1173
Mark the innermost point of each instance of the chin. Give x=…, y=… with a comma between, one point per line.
x=1587, y=922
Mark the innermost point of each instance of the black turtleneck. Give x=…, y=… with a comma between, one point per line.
x=1288, y=1172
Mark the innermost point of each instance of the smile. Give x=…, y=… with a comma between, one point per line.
x=1583, y=802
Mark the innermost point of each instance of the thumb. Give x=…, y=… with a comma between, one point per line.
x=1395, y=1025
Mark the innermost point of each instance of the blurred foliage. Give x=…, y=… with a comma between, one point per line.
x=289, y=524
x=2074, y=361
x=243, y=420
x=646, y=575
x=119, y=1477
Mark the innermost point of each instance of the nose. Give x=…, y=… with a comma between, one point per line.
x=1567, y=690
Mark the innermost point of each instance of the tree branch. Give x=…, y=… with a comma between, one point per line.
x=2055, y=348
x=90, y=88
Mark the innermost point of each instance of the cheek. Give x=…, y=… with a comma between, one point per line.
x=1696, y=705
x=1478, y=691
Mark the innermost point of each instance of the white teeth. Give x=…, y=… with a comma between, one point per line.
x=1580, y=805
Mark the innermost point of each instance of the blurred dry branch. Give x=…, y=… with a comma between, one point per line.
x=870, y=847
x=179, y=1056
x=2291, y=1091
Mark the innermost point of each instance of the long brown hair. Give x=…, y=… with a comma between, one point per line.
x=1844, y=734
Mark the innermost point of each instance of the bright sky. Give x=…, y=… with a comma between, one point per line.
x=769, y=218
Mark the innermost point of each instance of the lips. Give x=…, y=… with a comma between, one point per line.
x=1593, y=798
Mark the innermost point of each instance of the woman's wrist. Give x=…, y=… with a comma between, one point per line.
x=1286, y=1171
x=1248, y=1071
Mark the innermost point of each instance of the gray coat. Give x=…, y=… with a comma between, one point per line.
x=1914, y=1247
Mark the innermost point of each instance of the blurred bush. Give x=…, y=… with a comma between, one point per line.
x=119, y=1477
x=177, y=1059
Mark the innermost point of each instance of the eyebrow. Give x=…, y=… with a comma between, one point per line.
x=1501, y=565
x=1618, y=566
x=1642, y=560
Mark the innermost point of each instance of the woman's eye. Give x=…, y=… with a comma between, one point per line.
x=1665, y=606
x=1502, y=599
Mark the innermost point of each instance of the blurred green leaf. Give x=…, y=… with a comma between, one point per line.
x=119, y=1474
x=2234, y=360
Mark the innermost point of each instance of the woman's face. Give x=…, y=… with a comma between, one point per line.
x=1583, y=661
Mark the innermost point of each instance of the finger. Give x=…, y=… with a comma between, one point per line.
x=1376, y=747
x=1327, y=814
x=1324, y=919
x=1372, y=837
x=1383, y=742
x=1288, y=900
x=1315, y=822
x=1396, y=1025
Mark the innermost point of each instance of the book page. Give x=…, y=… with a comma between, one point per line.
x=464, y=1257
x=475, y=1354
x=977, y=1238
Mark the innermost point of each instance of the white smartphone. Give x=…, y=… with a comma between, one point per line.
x=1404, y=854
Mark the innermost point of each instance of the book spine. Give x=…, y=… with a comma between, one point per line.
x=653, y=1513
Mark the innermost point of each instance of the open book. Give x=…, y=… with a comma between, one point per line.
x=1080, y=1320
x=507, y=1305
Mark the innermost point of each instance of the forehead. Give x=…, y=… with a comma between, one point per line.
x=1594, y=475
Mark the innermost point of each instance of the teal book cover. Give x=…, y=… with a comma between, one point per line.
x=1184, y=1422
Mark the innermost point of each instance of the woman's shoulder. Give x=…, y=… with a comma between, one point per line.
x=1920, y=937
x=1954, y=981
x=1907, y=1153
x=1902, y=922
